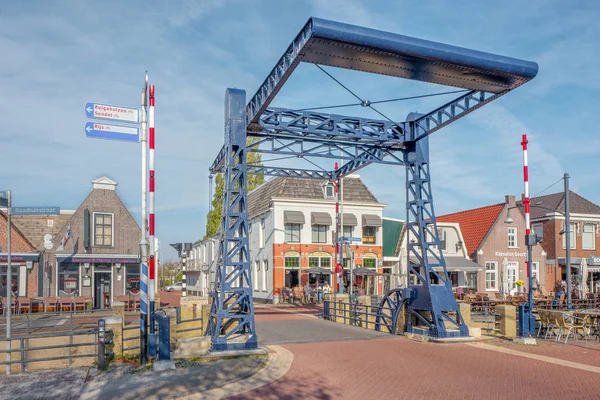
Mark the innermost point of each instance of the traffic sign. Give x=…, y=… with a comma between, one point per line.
x=4, y=198
x=116, y=132
x=113, y=113
x=350, y=239
x=34, y=210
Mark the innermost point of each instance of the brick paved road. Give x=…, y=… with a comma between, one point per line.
x=399, y=368
x=277, y=325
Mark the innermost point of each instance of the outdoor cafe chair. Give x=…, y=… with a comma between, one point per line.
x=543, y=321
x=552, y=324
x=572, y=324
x=24, y=304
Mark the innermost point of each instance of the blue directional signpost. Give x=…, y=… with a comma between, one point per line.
x=116, y=132
x=113, y=113
x=107, y=112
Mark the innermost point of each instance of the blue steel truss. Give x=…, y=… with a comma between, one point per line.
x=231, y=322
x=431, y=307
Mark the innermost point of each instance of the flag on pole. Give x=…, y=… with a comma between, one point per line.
x=65, y=238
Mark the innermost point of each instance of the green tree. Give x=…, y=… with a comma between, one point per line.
x=213, y=218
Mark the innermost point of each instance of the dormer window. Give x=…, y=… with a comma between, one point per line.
x=329, y=190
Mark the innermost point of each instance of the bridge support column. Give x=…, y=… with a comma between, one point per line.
x=231, y=323
x=432, y=308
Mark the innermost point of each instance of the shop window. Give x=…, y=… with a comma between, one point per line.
x=323, y=262
x=103, y=229
x=292, y=271
x=132, y=283
x=68, y=279
x=491, y=275
x=15, y=277
x=370, y=262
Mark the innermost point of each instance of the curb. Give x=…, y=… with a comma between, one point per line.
x=278, y=364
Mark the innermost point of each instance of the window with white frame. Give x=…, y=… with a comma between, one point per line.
x=254, y=275
x=491, y=275
x=535, y=270
x=572, y=237
x=265, y=268
x=323, y=262
x=538, y=229
x=370, y=262
x=103, y=230
x=588, y=238
x=348, y=231
x=512, y=237
x=262, y=234
x=442, y=235
x=319, y=233
x=292, y=233
x=329, y=191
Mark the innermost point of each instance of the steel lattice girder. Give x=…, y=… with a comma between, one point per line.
x=354, y=47
x=232, y=309
x=291, y=172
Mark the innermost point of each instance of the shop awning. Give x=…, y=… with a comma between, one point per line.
x=371, y=220
x=575, y=261
x=320, y=218
x=350, y=220
x=462, y=264
x=457, y=264
x=293, y=217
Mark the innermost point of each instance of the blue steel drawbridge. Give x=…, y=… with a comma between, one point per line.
x=430, y=304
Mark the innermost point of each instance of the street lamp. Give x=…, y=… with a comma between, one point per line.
x=566, y=232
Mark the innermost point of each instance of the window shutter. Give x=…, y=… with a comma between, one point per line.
x=86, y=228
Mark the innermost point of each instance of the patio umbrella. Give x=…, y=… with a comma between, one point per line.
x=365, y=271
x=318, y=271
x=503, y=273
x=583, y=272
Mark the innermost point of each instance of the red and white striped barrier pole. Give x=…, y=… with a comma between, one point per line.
x=152, y=266
x=528, y=322
x=526, y=200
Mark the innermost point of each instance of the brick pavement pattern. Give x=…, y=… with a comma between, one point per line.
x=63, y=384
x=404, y=369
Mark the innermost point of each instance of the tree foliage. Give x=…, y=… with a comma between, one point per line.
x=213, y=218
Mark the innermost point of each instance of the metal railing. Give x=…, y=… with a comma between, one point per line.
x=28, y=323
x=182, y=321
x=366, y=316
x=24, y=348
x=126, y=339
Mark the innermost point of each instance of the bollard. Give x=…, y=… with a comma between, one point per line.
x=101, y=354
x=164, y=335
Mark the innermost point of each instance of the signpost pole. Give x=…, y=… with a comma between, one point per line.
x=144, y=241
x=9, y=285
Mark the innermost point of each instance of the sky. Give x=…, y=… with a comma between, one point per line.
x=58, y=55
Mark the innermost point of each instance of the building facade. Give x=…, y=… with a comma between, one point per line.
x=584, y=237
x=25, y=260
x=292, y=223
x=499, y=247
x=463, y=273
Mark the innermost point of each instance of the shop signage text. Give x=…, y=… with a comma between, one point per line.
x=509, y=254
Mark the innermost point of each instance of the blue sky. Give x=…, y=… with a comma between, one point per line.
x=58, y=55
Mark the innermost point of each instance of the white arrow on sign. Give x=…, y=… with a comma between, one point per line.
x=111, y=112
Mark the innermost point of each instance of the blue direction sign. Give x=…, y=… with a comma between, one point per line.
x=116, y=132
x=350, y=239
x=113, y=113
x=35, y=210
x=4, y=198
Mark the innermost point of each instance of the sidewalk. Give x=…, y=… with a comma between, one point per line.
x=192, y=379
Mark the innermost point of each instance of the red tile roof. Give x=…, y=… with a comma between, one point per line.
x=474, y=224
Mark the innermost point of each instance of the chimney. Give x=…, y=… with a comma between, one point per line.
x=510, y=200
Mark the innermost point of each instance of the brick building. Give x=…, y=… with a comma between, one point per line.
x=498, y=247
x=292, y=227
x=292, y=224
x=100, y=258
x=585, y=235
x=25, y=259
